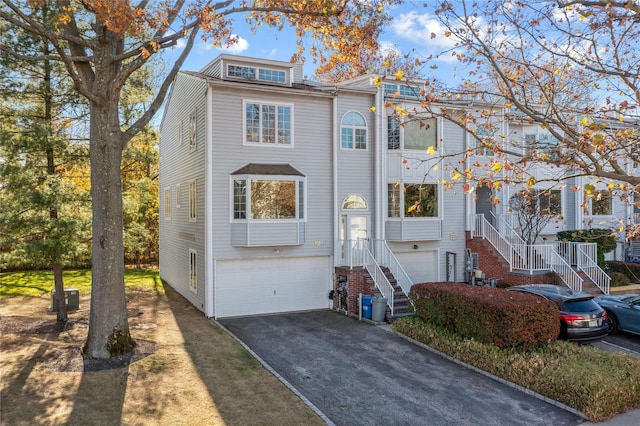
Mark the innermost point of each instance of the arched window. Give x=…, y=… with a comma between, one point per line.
x=354, y=201
x=353, y=131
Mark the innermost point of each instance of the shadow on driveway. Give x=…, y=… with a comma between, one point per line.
x=359, y=374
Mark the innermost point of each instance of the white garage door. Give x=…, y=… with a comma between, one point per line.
x=263, y=286
x=421, y=266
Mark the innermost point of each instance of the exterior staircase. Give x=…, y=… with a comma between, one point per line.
x=509, y=258
x=401, y=304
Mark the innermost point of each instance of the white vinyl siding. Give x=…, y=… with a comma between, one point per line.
x=180, y=165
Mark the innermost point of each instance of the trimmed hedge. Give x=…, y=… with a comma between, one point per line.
x=631, y=270
x=490, y=315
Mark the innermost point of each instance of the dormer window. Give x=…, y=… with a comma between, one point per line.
x=242, y=72
x=256, y=73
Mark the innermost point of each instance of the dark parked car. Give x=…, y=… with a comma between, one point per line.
x=581, y=318
x=623, y=310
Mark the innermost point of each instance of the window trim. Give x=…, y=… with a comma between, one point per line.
x=257, y=71
x=480, y=150
x=354, y=129
x=590, y=203
x=193, y=129
x=548, y=193
x=437, y=130
x=399, y=189
x=193, y=270
x=178, y=195
x=193, y=200
x=262, y=103
x=300, y=190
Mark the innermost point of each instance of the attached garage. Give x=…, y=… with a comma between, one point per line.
x=421, y=266
x=264, y=286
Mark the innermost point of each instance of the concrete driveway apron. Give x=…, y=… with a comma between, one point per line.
x=359, y=374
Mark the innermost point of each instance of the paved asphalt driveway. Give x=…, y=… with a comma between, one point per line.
x=359, y=374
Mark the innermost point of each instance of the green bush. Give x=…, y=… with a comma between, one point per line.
x=597, y=383
x=491, y=315
x=618, y=279
x=631, y=270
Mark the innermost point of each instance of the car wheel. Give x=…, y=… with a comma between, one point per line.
x=613, y=324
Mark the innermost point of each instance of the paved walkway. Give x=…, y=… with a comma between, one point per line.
x=358, y=374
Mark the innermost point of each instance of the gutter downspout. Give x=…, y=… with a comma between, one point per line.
x=380, y=169
x=209, y=260
x=334, y=173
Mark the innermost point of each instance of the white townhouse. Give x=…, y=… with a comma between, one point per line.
x=279, y=194
x=269, y=183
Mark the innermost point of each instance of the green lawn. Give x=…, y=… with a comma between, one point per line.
x=41, y=282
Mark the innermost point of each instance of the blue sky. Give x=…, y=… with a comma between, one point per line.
x=411, y=29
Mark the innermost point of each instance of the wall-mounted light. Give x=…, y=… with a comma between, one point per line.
x=453, y=236
x=276, y=251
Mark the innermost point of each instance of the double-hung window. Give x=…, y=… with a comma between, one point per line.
x=550, y=202
x=600, y=203
x=167, y=203
x=353, y=131
x=193, y=270
x=393, y=133
x=484, y=142
x=410, y=200
x=267, y=123
x=420, y=134
x=193, y=195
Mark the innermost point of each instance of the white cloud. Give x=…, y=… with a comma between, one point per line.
x=238, y=47
x=424, y=30
x=390, y=47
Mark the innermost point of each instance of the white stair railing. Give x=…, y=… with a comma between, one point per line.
x=385, y=257
x=588, y=264
x=378, y=276
x=483, y=229
x=583, y=256
x=526, y=257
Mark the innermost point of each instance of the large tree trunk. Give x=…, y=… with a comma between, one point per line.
x=108, y=324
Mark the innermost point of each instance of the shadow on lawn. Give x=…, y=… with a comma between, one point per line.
x=241, y=389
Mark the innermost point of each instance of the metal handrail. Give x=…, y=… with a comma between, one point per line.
x=590, y=267
x=584, y=257
x=483, y=229
x=385, y=257
x=380, y=279
x=527, y=257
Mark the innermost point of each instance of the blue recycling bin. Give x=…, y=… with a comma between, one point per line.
x=366, y=305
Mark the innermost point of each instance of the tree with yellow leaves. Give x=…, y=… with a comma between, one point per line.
x=105, y=43
x=568, y=68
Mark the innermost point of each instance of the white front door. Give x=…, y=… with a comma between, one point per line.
x=353, y=227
